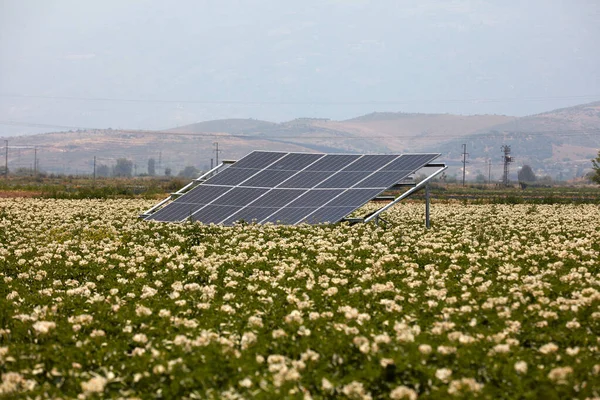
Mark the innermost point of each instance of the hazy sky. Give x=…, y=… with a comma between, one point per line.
x=157, y=64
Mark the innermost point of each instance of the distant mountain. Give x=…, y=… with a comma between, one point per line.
x=559, y=142
x=232, y=126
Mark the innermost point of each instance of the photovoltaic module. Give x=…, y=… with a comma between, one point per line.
x=291, y=188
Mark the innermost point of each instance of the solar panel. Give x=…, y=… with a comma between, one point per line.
x=291, y=188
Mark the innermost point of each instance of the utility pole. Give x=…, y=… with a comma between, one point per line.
x=217, y=151
x=35, y=161
x=94, y=170
x=211, y=163
x=464, y=154
x=489, y=170
x=6, y=159
x=159, y=160
x=507, y=160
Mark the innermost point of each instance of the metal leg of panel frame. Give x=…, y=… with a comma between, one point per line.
x=427, y=224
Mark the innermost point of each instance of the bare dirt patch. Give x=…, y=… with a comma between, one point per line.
x=5, y=194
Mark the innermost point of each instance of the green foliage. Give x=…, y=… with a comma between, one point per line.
x=123, y=168
x=151, y=167
x=140, y=309
x=526, y=174
x=189, y=172
x=102, y=170
x=596, y=166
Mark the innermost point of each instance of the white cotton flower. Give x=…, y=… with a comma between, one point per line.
x=159, y=369
x=245, y=383
x=521, y=367
x=573, y=351
x=255, y=321
x=97, y=333
x=142, y=311
x=278, y=333
x=501, y=348
x=384, y=362
x=464, y=385
x=443, y=374
x=140, y=338
x=248, y=338
x=425, y=349
x=356, y=390
x=559, y=375
x=227, y=309
x=148, y=291
x=573, y=324
x=43, y=327
x=403, y=392
x=94, y=385
x=138, y=351
x=446, y=350
x=294, y=317
x=164, y=313
x=303, y=331
x=548, y=348
x=326, y=385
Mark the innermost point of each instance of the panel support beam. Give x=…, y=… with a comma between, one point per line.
x=427, y=224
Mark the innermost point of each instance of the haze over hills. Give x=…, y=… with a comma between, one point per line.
x=148, y=64
x=558, y=142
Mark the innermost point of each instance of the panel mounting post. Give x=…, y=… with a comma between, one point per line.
x=427, y=224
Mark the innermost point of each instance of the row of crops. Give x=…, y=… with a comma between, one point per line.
x=495, y=301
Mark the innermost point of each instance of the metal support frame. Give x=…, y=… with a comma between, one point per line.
x=427, y=224
x=186, y=188
x=424, y=183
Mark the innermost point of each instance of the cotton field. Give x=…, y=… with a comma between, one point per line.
x=495, y=301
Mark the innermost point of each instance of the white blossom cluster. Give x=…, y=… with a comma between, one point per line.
x=493, y=301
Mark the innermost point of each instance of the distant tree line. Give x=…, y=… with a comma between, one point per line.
x=124, y=168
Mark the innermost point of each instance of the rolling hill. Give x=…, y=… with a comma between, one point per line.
x=559, y=142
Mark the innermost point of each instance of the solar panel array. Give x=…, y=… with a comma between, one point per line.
x=291, y=188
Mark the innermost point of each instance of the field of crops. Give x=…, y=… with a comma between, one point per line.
x=495, y=301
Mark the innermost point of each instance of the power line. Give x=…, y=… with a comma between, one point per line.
x=312, y=102
x=506, y=135
x=464, y=162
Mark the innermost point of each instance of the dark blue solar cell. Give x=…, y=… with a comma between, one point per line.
x=410, y=162
x=174, y=212
x=240, y=196
x=277, y=198
x=232, y=176
x=213, y=214
x=383, y=179
x=203, y=194
x=328, y=215
x=264, y=206
x=333, y=162
x=353, y=198
x=259, y=159
x=250, y=214
x=314, y=198
x=268, y=178
x=296, y=161
x=370, y=163
x=306, y=179
x=289, y=216
x=344, y=179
